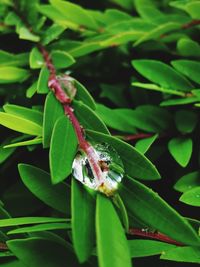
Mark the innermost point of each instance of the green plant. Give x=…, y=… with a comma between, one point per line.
x=91, y=156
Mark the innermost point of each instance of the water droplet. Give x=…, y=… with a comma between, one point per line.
x=67, y=84
x=110, y=164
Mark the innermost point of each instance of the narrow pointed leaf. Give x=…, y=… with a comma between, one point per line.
x=192, y=197
x=42, y=85
x=63, y=148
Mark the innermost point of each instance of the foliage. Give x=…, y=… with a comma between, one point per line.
x=131, y=71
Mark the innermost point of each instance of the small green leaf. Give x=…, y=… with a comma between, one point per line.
x=62, y=59
x=188, y=181
x=179, y=101
x=52, y=111
x=110, y=234
x=83, y=223
x=26, y=113
x=192, y=197
x=188, y=47
x=88, y=118
x=31, y=90
x=36, y=60
x=52, y=225
x=134, y=162
x=42, y=85
x=39, y=183
x=34, y=141
x=12, y=75
x=5, y=153
x=182, y=254
x=144, y=144
x=20, y=124
x=181, y=150
x=189, y=68
x=52, y=33
x=186, y=121
x=162, y=74
x=8, y=59
x=145, y=248
x=25, y=34
x=148, y=207
x=29, y=220
x=63, y=149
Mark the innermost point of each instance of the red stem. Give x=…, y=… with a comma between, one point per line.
x=190, y=24
x=136, y=136
x=157, y=236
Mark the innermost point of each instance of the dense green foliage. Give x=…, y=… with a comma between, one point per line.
x=136, y=71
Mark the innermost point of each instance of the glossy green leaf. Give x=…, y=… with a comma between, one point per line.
x=134, y=162
x=110, y=234
x=53, y=254
x=19, y=124
x=63, y=149
x=31, y=90
x=26, y=113
x=88, y=118
x=187, y=47
x=42, y=85
x=62, y=59
x=39, y=183
x=186, y=121
x=36, y=60
x=188, y=182
x=41, y=227
x=75, y=14
x=191, y=197
x=29, y=220
x=162, y=74
x=26, y=34
x=143, y=145
x=193, y=9
x=179, y=101
x=52, y=111
x=34, y=141
x=189, y=68
x=83, y=95
x=8, y=59
x=83, y=223
x=145, y=248
x=147, y=206
x=181, y=149
x=12, y=74
x=182, y=254
x=52, y=33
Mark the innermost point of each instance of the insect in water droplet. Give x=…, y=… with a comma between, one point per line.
x=111, y=166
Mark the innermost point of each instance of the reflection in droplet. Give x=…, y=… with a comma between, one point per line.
x=110, y=164
x=67, y=83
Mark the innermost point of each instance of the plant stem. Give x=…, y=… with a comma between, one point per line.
x=3, y=246
x=156, y=235
x=135, y=136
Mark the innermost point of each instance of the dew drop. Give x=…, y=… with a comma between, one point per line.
x=67, y=84
x=110, y=164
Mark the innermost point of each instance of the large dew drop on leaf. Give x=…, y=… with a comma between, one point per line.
x=110, y=164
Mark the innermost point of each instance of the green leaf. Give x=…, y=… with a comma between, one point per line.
x=162, y=74
x=34, y=141
x=26, y=113
x=179, y=101
x=31, y=90
x=29, y=220
x=193, y=9
x=189, y=48
x=181, y=150
x=20, y=124
x=134, y=162
x=189, y=68
x=62, y=59
x=145, y=248
x=191, y=197
x=186, y=121
x=26, y=34
x=6, y=153
x=63, y=149
x=52, y=111
x=144, y=144
x=83, y=224
x=39, y=183
x=127, y=4
x=41, y=227
x=75, y=14
x=110, y=234
x=83, y=95
x=182, y=254
x=53, y=254
x=36, y=60
x=52, y=33
x=8, y=59
x=88, y=118
x=148, y=207
x=12, y=75
x=188, y=182
x=42, y=85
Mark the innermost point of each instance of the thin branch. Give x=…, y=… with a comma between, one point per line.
x=3, y=246
x=190, y=24
x=135, y=136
